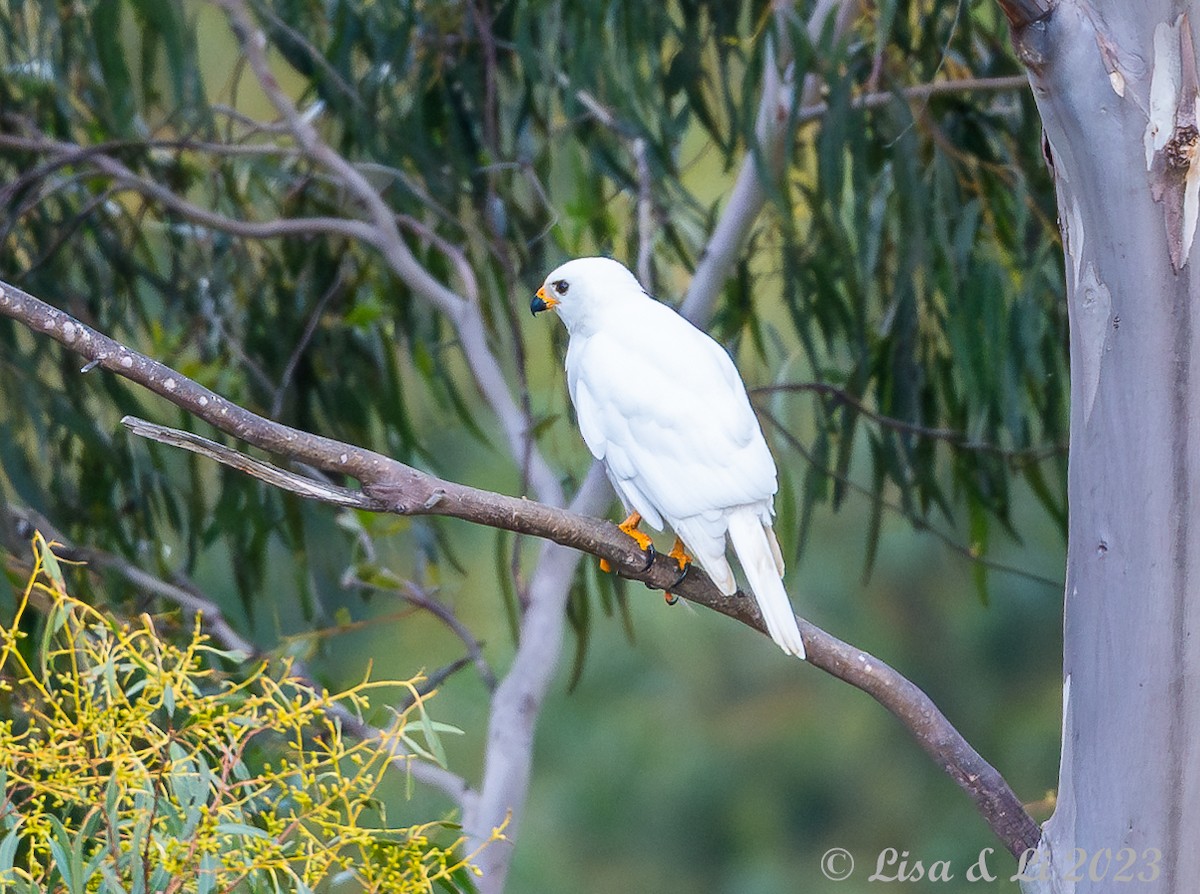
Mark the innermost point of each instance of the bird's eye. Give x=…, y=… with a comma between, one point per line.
x=561, y=286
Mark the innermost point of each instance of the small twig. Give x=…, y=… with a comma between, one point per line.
x=254, y=126
x=318, y=58
x=431, y=681
x=1023, y=13
x=593, y=106
x=453, y=253
x=422, y=599
x=256, y=468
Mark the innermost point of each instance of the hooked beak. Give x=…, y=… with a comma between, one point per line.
x=541, y=301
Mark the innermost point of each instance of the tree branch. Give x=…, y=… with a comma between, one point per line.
x=947, y=435
x=390, y=486
x=812, y=112
x=123, y=176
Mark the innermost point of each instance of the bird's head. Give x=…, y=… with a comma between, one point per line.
x=579, y=288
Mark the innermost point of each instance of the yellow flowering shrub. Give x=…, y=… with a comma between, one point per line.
x=132, y=764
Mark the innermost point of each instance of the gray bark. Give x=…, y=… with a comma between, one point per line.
x=1122, y=161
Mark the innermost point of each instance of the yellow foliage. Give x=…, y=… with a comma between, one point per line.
x=131, y=763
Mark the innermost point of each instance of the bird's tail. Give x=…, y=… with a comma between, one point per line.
x=758, y=551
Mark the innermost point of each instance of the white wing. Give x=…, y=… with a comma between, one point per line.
x=663, y=405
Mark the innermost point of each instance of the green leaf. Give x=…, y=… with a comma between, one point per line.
x=110, y=54
x=579, y=616
x=242, y=830
x=8, y=850
x=502, y=555
x=68, y=860
x=53, y=568
x=165, y=20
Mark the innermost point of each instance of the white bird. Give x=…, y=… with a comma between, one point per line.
x=663, y=406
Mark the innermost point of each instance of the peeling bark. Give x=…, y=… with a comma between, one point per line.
x=1116, y=86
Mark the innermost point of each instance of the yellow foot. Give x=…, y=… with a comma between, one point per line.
x=630, y=527
x=679, y=554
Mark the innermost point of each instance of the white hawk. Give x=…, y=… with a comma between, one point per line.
x=663, y=406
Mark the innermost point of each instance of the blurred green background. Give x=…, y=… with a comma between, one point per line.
x=905, y=272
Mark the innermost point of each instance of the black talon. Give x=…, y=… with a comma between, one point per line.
x=651, y=554
x=671, y=597
x=683, y=570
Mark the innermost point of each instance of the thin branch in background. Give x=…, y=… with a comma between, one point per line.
x=645, y=215
x=487, y=40
x=918, y=523
x=252, y=125
x=234, y=345
x=121, y=175
x=432, y=681
x=593, y=106
x=453, y=253
x=67, y=229
x=918, y=92
x=947, y=435
x=315, y=56
x=426, y=601
x=310, y=328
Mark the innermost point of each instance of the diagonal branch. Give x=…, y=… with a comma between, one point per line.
x=390, y=486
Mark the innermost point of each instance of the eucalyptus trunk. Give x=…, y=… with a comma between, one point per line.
x=1116, y=86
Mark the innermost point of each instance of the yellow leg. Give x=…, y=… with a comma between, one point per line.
x=630, y=527
x=679, y=554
